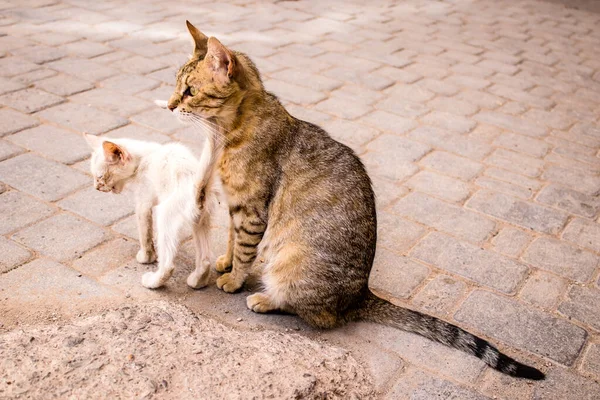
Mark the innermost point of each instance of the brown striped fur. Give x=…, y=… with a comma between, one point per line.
x=302, y=203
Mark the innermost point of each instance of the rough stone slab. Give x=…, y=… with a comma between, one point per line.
x=396, y=233
x=11, y=66
x=452, y=165
x=8, y=150
x=583, y=304
x=63, y=85
x=12, y=255
x=307, y=79
x=45, y=179
x=453, y=106
x=8, y=85
x=55, y=143
x=591, y=361
x=82, y=118
x=577, y=180
x=584, y=233
x=516, y=162
x=570, y=200
x=87, y=70
x=134, y=131
x=112, y=102
x=419, y=385
x=482, y=266
x=394, y=275
x=402, y=149
x=450, y=122
x=386, y=121
x=352, y=134
x=127, y=227
x=414, y=93
x=562, y=259
x=451, y=142
x=518, y=212
x=130, y=83
x=440, y=295
x=386, y=192
x=522, y=327
x=62, y=237
x=543, y=289
x=563, y=384
x=522, y=144
x=440, y=186
x=18, y=210
x=344, y=108
x=159, y=119
x=110, y=255
x=511, y=241
x=382, y=165
x=294, y=93
x=515, y=178
x=444, y=216
x=505, y=187
x=102, y=208
x=14, y=121
x=508, y=122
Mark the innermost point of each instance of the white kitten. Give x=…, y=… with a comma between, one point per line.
x=171, y=178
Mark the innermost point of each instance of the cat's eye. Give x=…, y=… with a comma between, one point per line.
x=190, y=91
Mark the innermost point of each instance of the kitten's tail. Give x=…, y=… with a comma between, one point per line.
x=380, y=311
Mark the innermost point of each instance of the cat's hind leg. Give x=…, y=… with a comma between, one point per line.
x=168, y=225
x=143, y=212
x=200, y=276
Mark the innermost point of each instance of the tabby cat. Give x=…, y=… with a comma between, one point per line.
x=301, y=206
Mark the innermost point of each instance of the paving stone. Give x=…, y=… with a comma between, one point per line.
x=55, y=143
x=113, y=102
x=8, y=150
x=395, y=275
x=481, y=99
x=127, y=227
x=382, y=165
x=134, y=131
x=451, y=142
x=42, y=178
x=447, y=121
x=467, y=81
x=18, y=210
x=343, y=108
x=439, y=185
x=403, y=149
x=521, y=96
x=591, y=362
x=40, y=54
x=482, y=266
x=11, y=66
x=86, y=48
x=511, y=177
x=130, y=83
x=396, y=233
x=307, y=79
x=583, y=182
x=522, y=327
x=511, y=241
x=31, y=77
x=516, y=162
x=501, y=386
x=422, y=352
x=584, y=233
x=108, y=256
x=440, y=295
x=159, y=119
x=416, y=384
x=83, y=118
x=563, y=384
x=294, y=93
x=389, y=122
x=87, y=70
x=570, y=201
x=8, y=85
x=551, y=119
x=518, y=212
x=62, y=237
x=452, y=165
x=453, y=106
x=30, y=100
x=99, y=207
x=413, y=93
x=350, y=133
x=583, y=305
x=508, y=122
x=13, y=255
x=543, y=289
x=135, y=64
x=522, y=144
x=63, y=85
x=46, y=281
x=404, y=108
x=360, y=93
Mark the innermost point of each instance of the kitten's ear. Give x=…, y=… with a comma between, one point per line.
x=200, y=40
x=222, y=60
x=113, y=153
x=93, y=141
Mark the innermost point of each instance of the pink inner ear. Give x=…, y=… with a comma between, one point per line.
x=114, y=153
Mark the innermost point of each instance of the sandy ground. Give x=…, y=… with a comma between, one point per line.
x=162, y=350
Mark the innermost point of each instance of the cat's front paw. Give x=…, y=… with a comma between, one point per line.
x=152, y=280
x=227, y=283
x=198, y=281
x=259, y=303
x=223, y=263
x=145, y=256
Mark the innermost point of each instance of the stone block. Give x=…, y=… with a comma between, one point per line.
x=83, y=118
x=395, y=275
x=54, y=143
x=584, y=233
x=440, y=186
x=99, y=207
x=583, y=304
x=543, y=289
x=452, y=165
x=440, y=295
x=13, y=255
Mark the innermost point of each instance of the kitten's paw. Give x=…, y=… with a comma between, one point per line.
x=198, y=281
x=223, y=264
x=259, y=303
x=145, y=257
x=153, y=280
x=228, y=284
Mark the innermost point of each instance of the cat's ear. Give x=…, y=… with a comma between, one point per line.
x=200, y=40
x=222, y=60
x=93, y=141
x=113, y=153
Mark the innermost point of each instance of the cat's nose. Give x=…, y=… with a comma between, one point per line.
x=171, y=107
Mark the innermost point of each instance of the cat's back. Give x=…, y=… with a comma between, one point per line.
x=171, y=165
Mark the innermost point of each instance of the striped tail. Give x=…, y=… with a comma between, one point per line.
x=380, y=311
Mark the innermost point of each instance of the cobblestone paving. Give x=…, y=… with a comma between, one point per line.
x=478, y=121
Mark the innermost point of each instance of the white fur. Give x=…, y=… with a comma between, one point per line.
x=168, y=178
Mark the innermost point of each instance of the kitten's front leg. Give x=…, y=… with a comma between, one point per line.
x=249, y=230
x=200, y=276
x=146, y=254
x=224, y=262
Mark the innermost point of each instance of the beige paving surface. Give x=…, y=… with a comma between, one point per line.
x=478, y=121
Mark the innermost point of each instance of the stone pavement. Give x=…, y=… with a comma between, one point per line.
x=478, y=121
